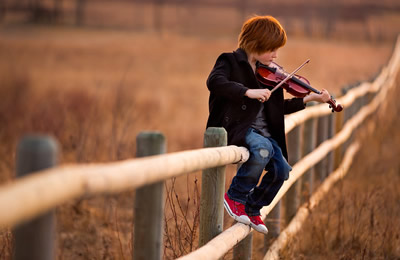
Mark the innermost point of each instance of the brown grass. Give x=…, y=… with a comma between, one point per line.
x=94, y=90
x=360, y=219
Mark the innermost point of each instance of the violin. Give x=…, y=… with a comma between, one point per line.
x=275, y=76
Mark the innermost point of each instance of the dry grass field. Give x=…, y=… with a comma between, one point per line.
x=360, y=219
x=95, y=90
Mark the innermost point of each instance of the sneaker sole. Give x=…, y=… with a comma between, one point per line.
x=261, y=230
x=236, y=217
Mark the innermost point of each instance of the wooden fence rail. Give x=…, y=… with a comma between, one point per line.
x=37, y=193
x=221, y=244
x=303, y=212
x=31, y=196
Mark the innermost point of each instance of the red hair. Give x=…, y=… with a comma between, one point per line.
x=260, y=34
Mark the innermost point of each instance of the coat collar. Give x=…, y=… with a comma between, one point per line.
x=240, y=55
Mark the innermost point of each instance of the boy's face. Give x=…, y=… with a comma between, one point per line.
x=267, y=57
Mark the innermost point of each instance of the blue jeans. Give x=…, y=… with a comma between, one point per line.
x=264, y=154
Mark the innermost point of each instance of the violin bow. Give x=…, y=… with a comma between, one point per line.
x=290, y=76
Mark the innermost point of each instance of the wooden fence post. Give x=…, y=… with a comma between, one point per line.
x=338, y=128
x=347, y=114
x=149, y=204
x=322, y=135
x=292, y=197
x=36, y=238
x=242, y=251
x=330, y=134
x=273, y=223
x=309, y=140
x=212, y=190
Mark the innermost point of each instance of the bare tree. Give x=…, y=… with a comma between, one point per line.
x=80, y=12
x=40, y=13
x=57, y=10
x=158, y=7
x=2, y=10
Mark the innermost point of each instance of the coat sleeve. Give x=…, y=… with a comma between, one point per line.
x=293, y=105
x=219, y=82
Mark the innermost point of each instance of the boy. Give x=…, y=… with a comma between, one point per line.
x=254, y=118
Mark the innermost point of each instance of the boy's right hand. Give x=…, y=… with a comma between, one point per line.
x=261, y=95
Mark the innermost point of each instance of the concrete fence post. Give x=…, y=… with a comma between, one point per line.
x=149, y=204
x=212, y=190
x=36, y=238
x=292, y=197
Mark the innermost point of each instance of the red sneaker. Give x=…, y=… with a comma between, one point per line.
x=236, y=210
x=257, y=223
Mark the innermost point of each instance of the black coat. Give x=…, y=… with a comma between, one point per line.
x=230, y=78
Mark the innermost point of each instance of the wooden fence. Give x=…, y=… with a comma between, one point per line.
x=27, y=204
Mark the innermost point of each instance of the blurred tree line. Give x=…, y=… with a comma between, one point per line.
x=295, y=14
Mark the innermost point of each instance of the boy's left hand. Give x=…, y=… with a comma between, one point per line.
x=323, y=97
